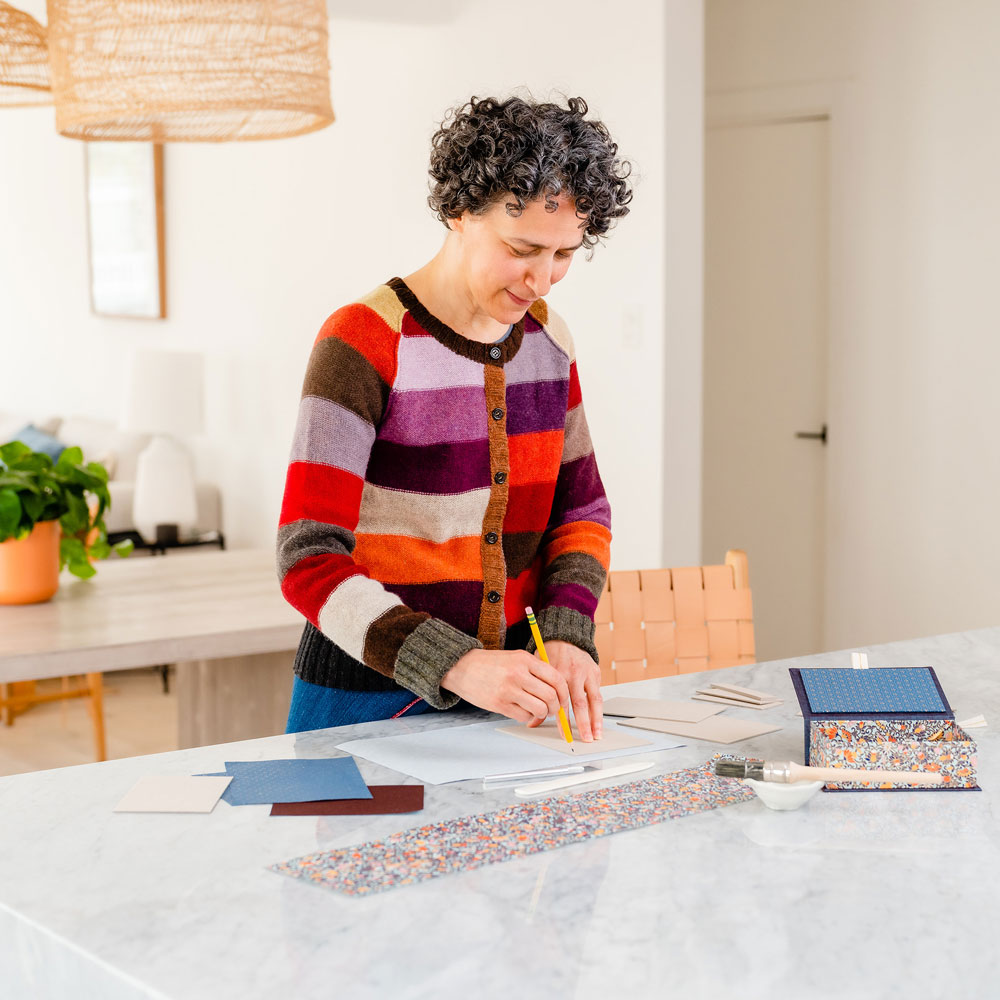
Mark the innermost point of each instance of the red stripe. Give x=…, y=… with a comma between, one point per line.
x=521, y=592
x=369, y=334
x=528, y=507
x=321, y=493
x=575, y=396
x=309, y=583
x=403, y=711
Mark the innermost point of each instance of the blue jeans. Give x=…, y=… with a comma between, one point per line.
x=317, y=707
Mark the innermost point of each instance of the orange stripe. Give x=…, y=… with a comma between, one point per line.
x=368, y=334
x=535, y=457
x=580, y=536
x=401, y=559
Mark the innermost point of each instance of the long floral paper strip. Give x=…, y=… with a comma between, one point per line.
x=462, y=845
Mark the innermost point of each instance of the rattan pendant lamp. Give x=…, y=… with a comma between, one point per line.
x=24, y=60
x=189, y=70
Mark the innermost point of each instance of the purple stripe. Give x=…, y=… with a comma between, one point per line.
x=538, y=359
x=597, y=511
x=436, y=468
x=579, y=485
x=454, y=601
x=435, y=416
x=424, y=363
x=536, y=406
x=328, y=433
x=568, y=595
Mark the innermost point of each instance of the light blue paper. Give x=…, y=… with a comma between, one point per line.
x=264, y=782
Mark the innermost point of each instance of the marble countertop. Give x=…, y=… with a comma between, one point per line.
x=860, y=895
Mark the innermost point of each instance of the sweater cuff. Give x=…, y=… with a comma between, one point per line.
x=426, y=655
x=565, y=625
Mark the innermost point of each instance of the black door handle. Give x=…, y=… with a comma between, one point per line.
x=812, y=435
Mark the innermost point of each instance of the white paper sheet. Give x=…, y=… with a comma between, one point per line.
x=455, y=753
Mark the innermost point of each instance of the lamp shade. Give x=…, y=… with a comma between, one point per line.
x=164, y=393
x=24, y=59
x=189, y=70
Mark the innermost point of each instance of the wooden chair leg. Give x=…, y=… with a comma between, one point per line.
x=8, y=715
x=95, y=682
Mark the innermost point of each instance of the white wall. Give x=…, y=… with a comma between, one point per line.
x=264, y=240
x=913, y=476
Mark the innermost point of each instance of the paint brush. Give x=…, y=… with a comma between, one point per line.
x=540, y=646
x=787, y=771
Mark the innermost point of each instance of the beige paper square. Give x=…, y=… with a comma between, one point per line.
x=735, y=703
x=715, y=730
x=549, y=735
x=655, y=708
x=174, y=793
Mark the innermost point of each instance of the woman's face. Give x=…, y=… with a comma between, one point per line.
x=509, y=261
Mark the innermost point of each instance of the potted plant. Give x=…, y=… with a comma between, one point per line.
x=51, y=517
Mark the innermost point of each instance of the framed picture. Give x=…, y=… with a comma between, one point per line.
x=125, y=229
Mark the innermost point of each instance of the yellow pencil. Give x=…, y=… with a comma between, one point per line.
x=533, y=625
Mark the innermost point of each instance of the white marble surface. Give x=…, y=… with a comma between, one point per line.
x=861, y=895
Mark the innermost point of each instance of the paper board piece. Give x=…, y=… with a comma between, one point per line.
x=743, y=693
x=457, y=753
x=262, y=782
x=471, y=842
x=717, y=730
x=385, y=799
x=173, y=793
x=653, y=708
x=732, y=703
x=549, y=735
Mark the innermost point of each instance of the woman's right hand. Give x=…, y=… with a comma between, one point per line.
x=509, y=681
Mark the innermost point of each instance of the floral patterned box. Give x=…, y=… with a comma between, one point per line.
x=892, y=718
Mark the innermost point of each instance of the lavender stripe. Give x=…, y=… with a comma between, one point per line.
x=437, y=468
x=435, y=416
x=328, y=433
x=597, y=511
x=536, y=406
x=538, y=360
x=424, y=363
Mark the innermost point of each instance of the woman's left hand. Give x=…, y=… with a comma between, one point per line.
x=583, y=676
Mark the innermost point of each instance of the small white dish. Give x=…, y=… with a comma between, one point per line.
x=784, y=795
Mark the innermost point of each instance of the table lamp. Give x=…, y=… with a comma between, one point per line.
x=164, y=398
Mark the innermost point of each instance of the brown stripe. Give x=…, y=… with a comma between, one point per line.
x=387, y=633
x=354, y=382
x=519, y=549
x=494, y=564
x=540, y=310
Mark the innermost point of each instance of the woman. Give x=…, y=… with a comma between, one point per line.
x=442, y=476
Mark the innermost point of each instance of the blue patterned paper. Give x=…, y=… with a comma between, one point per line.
x=264, y=782
x=878, y=689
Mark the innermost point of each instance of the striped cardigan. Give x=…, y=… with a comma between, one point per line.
x=437, y=486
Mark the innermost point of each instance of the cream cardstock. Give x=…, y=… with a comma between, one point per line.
x=548, y=734
x=733, y=703
x=715, y=730
x=173, y=793
x=653, y=708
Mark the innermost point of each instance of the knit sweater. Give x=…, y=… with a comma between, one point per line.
x=436, y=487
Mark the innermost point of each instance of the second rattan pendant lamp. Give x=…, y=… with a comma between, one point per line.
x=189, y=70
x=24, y=60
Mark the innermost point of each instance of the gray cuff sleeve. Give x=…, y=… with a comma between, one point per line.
x=565, y=625
x=426, y=655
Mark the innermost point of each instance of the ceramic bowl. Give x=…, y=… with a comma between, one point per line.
x=779, y=795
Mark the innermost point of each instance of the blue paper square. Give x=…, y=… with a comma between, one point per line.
x=875, y=690
x=264, y=782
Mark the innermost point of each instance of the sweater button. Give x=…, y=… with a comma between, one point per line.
x=495, y=353
x=500, y=478
x=491, y=538
x=493, y=597
x=497, y=414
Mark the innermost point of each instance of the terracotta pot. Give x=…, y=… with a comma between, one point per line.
x=29, y=567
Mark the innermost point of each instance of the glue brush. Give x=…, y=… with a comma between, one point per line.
x=787, y=771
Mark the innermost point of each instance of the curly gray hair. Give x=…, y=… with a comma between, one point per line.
x=490, y=149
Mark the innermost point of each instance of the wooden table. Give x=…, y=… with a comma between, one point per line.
x=219, y=616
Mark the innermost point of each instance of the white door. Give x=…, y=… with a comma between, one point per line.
x=766, y=291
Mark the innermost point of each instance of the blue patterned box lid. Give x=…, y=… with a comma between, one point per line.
x=888, y=691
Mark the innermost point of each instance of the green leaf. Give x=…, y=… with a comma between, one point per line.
x=77, y=516
x=82, y=569
x=100, y=549
x=10, y=513
x=71, y=551
x=12, y=451
x=69, y=457
x=125, y=547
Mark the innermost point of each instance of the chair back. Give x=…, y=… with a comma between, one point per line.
x=660, y=622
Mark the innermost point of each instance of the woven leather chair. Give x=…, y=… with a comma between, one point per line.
x=660, y=622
